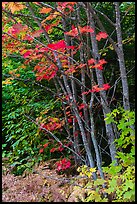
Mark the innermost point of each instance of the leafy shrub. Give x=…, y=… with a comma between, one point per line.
x=20, y=97
x=119, y=180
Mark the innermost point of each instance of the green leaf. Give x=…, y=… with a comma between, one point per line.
x=129, y=194
x=99, y=182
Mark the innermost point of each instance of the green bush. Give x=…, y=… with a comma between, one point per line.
x=20, y=97
x=119, y=180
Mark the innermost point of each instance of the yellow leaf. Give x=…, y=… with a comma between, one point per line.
x=17, y=75
x=15, y=6
x=49, y=31
x=45, y=10
x=104, y=54
x=92, y=170
x=22, y=66
x=89, y=174
x=54, y=15
x=7, y=81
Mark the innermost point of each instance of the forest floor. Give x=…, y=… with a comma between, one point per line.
x=43, y=185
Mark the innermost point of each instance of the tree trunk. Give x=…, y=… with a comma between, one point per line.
x=121, y=60
x=100, y=80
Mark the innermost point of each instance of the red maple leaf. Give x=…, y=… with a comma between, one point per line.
x=27, y=54
x=102, y=61
x=86, y=29
x=43, y=49
x=64, y=5
x=68, y=164
x=69, y=120
x=98, y=66
x=70, y=70
x=96, y=88
x=41, y=150
x=73, y=27
x=63, y=164
x=17, y=28
x=81, y=106
x=45, y=73
x=53, y=150
x=48, y=27
x=45, y=145
x=60, y=148
x=101, y=35
x=73, y=32
x=59, y=166
x=91, y=61
x=28, y=37
x=59, y=45
x=106, y=86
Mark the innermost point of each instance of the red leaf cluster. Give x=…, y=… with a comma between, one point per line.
x=59, y=45
x=42, y=149
x=91, y=61
x=63, y=164
x=96, y=88
x=81, y=106
x=53, y=150
x=106, y=86
x=52, y=124
x=44, y=72
x=101, y=35
x=45, y=145
x=63, y=5
x=27, y=53
x=60, y=148
x=99, y=65
x=74, y=32
x=17, y=28
x=56, y=46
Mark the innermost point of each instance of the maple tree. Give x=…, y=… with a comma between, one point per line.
x=70, y=65
x=56, y=60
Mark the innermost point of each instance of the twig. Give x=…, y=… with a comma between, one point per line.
x=56, y=138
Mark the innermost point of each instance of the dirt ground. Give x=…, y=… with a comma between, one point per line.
x=43, y=185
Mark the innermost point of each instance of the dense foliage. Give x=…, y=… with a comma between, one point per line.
x=119, y=180
x=68, y=91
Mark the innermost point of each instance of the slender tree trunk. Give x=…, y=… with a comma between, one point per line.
x=83, y=80
x=121, y=60
x=74, y=93
x=95, y=144
x=106, y=109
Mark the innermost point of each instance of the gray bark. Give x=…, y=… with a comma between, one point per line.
x=121, y=60
x=74, y=93
x=100, y=80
